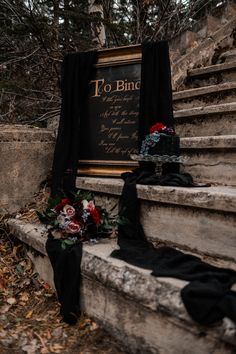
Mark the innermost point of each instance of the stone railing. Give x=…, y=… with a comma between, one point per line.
x=26, y=158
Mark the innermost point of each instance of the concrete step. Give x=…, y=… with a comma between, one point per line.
x=212, y=75
x=203, y=96
x=228, y=56
x=207, y=120
x=198, y=219
x=210, y=158
x=212, y=69
x=144, y=312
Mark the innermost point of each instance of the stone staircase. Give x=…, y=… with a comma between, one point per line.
x=146, y=313
x=205, y=103
x=205, y=119
x=198, y=220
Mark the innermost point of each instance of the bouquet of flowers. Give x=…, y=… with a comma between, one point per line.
x=77, y=219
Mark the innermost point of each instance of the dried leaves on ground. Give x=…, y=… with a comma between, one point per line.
x=29, y=312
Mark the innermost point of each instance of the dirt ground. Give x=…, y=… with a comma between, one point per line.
x=29, y=312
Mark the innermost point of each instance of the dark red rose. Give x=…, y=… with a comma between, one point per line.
x=65, y=201
x=157, y=128
x=95, y=216
x=61, y=205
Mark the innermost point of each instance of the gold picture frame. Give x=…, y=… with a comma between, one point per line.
x=111, y=58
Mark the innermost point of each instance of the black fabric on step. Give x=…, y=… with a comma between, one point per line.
x=210, y=301
x=208, y=297
x=67, y=277
x=77, y=71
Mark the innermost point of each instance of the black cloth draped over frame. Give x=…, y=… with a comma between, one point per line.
x=155, y=91
x=207, y=297
x=77, y=72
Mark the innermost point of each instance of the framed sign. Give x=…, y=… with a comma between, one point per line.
x=110, y=132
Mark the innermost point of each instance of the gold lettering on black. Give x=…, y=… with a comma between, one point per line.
x=98, y=87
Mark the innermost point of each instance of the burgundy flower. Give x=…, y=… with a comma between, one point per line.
x=62, y=203
x=95, y=216
x=157, y=128
x=65, y=201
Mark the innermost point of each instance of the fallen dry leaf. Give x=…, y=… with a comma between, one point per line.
x=57, y=346
x=93, y=326
x=24, y=297
x=49, y=336
x=4, y=308
x=15, y=249
x=11, y=301
x=31, y=348
x=2, y=283
x=29, y=314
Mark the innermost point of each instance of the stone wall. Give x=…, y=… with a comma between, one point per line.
x=204, y=45
x=26, y=158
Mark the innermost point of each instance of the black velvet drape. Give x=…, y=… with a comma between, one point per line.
x=77, y=71
x=67, y=277
x=155, y=91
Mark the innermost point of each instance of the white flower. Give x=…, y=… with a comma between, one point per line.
x=85, y=203
x=63, y=220
x=91, y=205
x=69, y=210
x=88, y=205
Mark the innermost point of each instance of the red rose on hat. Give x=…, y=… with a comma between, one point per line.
x=157, y=128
